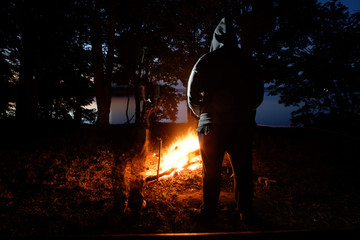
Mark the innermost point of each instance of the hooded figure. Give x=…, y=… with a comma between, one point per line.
x=224, y=90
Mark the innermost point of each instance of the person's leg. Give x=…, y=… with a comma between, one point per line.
x=240, y=151
x=212, y=153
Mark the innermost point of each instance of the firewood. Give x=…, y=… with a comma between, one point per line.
x=190, y=155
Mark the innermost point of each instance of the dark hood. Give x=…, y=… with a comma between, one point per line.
x=224, y=35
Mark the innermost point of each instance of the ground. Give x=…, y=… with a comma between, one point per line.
x=72, y=180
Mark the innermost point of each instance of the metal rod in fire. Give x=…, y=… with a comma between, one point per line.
x=158, y=168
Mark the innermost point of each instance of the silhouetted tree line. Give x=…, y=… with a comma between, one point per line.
x=57, y=55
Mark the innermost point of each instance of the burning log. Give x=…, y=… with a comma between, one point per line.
x=156, y=177
x=190, y=156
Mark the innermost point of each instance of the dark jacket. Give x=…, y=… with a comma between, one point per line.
x=225, y=85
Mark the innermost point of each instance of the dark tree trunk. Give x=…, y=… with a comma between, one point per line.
x=26, y=106
x=102, y=79
x=138, y=99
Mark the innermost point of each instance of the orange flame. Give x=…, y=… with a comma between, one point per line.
x=182, y=153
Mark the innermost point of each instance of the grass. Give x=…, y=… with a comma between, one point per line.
x=60, y=179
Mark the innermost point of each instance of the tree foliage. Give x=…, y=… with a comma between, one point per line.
x=58, y=55
x=320, y=70
x=47, y=60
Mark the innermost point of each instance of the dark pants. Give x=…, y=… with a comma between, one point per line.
x=237, y=142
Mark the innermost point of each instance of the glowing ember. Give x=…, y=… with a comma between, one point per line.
x=183, y=153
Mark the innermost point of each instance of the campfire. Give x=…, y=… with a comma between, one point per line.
x=183, y=153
